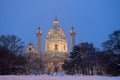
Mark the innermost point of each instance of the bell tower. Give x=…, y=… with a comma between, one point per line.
x=39, y=34
x=72, y=34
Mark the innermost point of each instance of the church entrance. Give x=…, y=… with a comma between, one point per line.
x=54, y=65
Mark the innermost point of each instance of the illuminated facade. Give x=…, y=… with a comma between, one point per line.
x=56, y=49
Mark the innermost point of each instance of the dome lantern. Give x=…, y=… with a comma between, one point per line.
x=56, y=22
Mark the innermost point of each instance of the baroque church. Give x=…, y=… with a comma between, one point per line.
x=56, y=49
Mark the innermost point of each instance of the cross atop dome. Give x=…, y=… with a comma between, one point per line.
x=56, y=21
x=56, y=18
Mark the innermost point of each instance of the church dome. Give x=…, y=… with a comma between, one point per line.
x=56, y=33
x=56, y=39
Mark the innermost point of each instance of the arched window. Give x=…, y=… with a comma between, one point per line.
x=48, y=47
x=30, y=49
x=64, y=47
x=56, y=46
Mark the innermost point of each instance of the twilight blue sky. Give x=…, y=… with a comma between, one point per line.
x=93, y=20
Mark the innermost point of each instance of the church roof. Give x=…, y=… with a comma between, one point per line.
x=56, y=32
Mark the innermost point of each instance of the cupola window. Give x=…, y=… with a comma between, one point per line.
x=56, y=46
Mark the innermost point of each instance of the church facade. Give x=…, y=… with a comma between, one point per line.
x=56, y=49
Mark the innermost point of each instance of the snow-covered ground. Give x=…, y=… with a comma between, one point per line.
x=65, y=77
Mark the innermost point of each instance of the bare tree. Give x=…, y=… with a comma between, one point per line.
x=12, y=43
